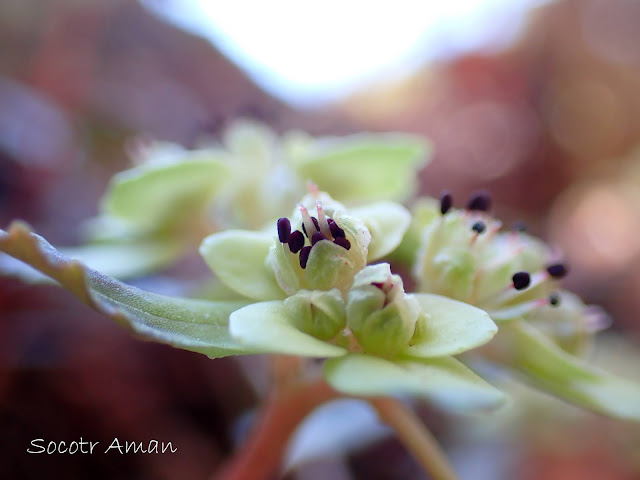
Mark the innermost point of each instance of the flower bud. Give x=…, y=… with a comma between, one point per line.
x=380, y=315
x=320, y=314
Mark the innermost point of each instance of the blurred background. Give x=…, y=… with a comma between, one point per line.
x=537, y=102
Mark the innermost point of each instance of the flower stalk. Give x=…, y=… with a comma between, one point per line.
x=260, y=457
x=415, y=436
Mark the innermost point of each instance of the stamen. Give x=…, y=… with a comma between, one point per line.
x=296, y=241
x=284, y=230
x=479, y=227
x=521, y=280
x=304, y=256
x=343, y=242
x=595, y=319
x=507, y=313
x=506, y=255
x=309, y=224
x=446, y=202
x=557, y=270
x=511, y=292
x=312, y=188
x=316, y=237
x=479, y=201
x=554, y=299
x=336, y=231
x=315, y=223
x=322, y=220
x=386, y=288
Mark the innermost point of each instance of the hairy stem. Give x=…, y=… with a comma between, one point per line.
x=259, y=458
x=414, y=435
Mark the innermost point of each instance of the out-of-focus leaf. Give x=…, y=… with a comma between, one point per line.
x=551, y=369
x=125, y=260
x=195, y=325
x=267, y=327
x=153, y=195
x=443, y=381
x=118, y=260
x=449, y=327
x=364, y=167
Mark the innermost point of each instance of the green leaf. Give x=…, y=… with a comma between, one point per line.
x=238, y=258
x=364, y=167
x=153, y=195
x=268, y=327
x=125, y=260
x=449, y=327
x=551, y=369
x=387, y=222
x=443, y=381
x=12, y=267
x=119, y=260
x=195, y=325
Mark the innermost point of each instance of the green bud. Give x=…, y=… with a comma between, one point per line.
x=320, y=314
x=379, y=314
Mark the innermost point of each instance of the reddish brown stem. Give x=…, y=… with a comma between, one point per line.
x=259, y=458
x=415, y=437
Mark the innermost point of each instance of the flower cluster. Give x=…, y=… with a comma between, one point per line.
x=320, y=296
x=160, y=209
x=314, y=284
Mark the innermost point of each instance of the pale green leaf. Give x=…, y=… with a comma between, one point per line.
x=119, y=260
x=551, y=369
x=195, y=325
x=364, y=167
x=153, y=195
x=387, y=222
x=443, y=381
x=449, y=327
x=238, y=258
x=125, y=260
x=267, y=327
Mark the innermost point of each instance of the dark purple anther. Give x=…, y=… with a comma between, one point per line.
x=554, y=299
x=315, y=222
x=343, y=242
x=557, y=270
x=284, y=230
x=304, y=256
x=521, y=280
x=446, y=202
x=479, y=227
x=336, y=231
x=316, y=237
x=296, y=241
x=479, y=201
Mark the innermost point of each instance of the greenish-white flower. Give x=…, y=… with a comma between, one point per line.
x=514, y=277
x=319, y=297
x=465, y=255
